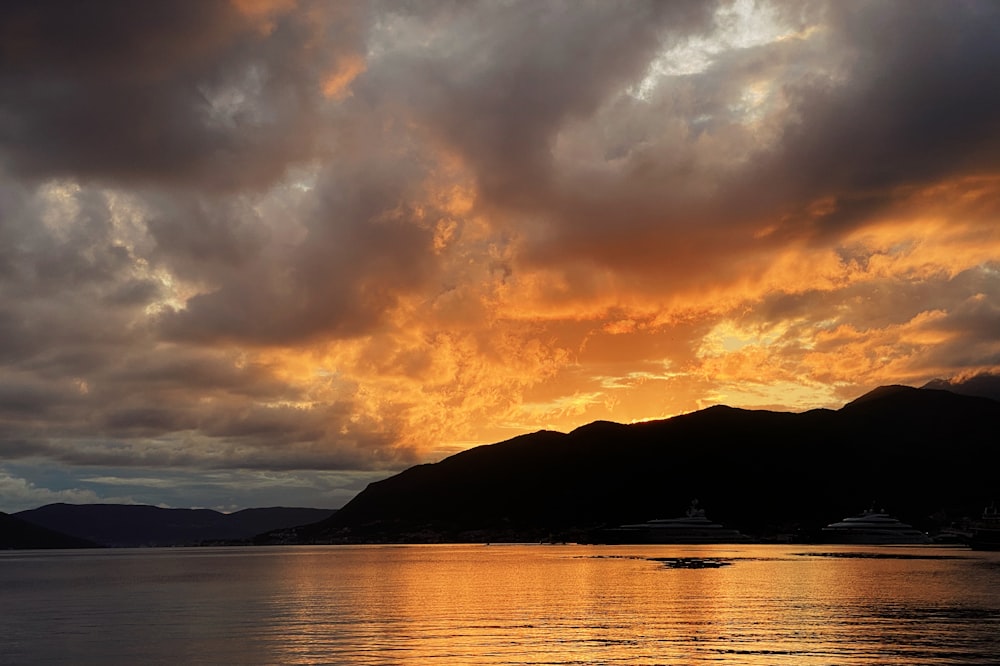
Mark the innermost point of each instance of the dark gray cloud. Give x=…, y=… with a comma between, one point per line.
x=919, y=102
x=513, y=75
x=87, y=376
x=362, y=247
x=894, y=95
x=197, y=94
x=201, y=239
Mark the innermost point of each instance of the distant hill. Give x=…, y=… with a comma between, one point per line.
x=985, y=385
x=19, y=534
x=123, y=525
x=927, y=456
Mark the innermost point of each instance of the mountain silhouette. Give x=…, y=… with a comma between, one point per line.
x=20, y=534
x=928, y=456
x=126, y=525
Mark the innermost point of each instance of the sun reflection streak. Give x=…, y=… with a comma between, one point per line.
x=483, y=604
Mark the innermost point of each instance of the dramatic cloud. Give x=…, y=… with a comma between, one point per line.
x=288, y=247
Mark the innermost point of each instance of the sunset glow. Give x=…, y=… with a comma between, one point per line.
x=268, y=252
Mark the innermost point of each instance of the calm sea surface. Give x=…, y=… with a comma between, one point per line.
x=499, y=604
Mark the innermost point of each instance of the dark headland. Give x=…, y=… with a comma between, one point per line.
x=929, y=457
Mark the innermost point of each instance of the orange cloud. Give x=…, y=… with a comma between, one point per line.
x=263, y=12
x=337, y=84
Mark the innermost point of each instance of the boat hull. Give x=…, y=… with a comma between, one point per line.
x=872, y=538
x=985, y=539
x=872, y=528
x=626, y=536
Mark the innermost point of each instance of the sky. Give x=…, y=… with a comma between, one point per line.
x=265, y=252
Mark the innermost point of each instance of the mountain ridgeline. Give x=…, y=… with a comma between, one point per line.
x=927, y=456
x=128, y=525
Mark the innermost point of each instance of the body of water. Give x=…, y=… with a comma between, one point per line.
x=501, y=604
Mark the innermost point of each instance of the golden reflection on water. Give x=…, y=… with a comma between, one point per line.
x=491, y=605
x=481, y=604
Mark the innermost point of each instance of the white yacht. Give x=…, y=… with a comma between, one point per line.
x=873, y=527
x=986, y=532
x=693, y=527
